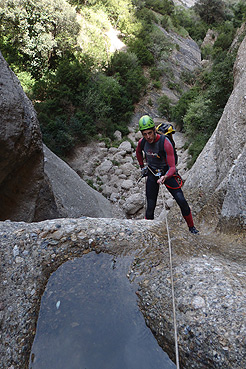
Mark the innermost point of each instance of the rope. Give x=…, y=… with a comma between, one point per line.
x=158, y=174
x=171, y=272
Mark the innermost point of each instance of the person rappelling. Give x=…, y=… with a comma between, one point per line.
x=161, y=169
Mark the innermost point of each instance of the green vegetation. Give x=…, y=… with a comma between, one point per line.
x=60, y=51
x=164, y=106
x=36, y=34
x=199, y=109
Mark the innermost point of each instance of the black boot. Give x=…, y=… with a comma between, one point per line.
x=193, y=230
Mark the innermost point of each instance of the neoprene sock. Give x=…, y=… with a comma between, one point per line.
x=189, y=220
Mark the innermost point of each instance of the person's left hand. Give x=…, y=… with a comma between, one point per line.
x=162, y=179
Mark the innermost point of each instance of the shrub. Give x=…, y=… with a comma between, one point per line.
x=179, y=110
x=210, y=11
x=197, y=118
x=139, y=48
x=157, y=84
x=27, y=81
x=196, y=147
x=125, y=67
x=164, y=106
x=56, y=135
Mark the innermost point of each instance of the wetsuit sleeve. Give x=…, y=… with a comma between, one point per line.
x=170, y=158
x=139, y=154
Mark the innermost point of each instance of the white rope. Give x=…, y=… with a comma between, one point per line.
x=171, y=272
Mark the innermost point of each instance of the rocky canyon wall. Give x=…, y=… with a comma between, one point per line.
x=217, y=181
x=22, y=180
x=29, y=190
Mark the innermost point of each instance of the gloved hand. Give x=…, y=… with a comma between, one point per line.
x=144, y=171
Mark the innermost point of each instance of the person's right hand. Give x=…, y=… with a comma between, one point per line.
x=144, y=171
x=162, y=179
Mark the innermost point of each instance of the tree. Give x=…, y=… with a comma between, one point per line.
x=37, y=32
x=239, y=13
x=210, y=11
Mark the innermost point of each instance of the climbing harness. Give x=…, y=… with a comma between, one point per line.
x=176, y=176
x=172, y=283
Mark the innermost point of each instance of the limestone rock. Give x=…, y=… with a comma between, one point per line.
x=118, y=135
x=74, y=197
x=29, y=189
x=125, y=146
x=133, y=204
x=22, y=179
x=217, y=179
x=104, y=167
x=127, y=184
x=210, y=38
x=209, y=285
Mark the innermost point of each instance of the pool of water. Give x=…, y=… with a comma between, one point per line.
x=89, y=319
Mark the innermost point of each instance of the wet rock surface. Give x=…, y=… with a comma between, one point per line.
x=89, y=318
x=209, y=282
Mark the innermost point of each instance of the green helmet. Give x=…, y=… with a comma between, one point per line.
x=145, y=122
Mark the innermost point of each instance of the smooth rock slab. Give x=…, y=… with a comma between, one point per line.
x=209, y=284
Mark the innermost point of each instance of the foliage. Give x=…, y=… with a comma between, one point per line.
x=197, y=117
x=159, y=45
x=140, y=49
x=120, y=13
x=76, y=103
x=210, y=11
x=161, y=6
x=196, y=147
x=199, y=110
x=60, y=51
x=164, y=106
x=239, y=11
x=33, y=38
x=225, y=37
x=179, y=110
x=26, y=80
x=92, y=39
x=125, y=67
x=193, y=24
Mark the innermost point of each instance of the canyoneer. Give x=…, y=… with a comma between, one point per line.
x=159, y=154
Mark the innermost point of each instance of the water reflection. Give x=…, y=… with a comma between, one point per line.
x=89, y=319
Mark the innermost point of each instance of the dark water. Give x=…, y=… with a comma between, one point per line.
x=89, y=319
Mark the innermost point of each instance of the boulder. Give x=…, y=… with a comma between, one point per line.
x=118, y=135
x=133, y=204
x=24, y=190
x=127, y=184
x=73, y=196
x=104, y=167
x=125, y=146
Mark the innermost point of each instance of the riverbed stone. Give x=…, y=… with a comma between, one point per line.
x=133, y=204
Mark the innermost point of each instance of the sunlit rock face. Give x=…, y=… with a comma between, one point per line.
x=22, y=179
x=186, y=3
x=218, y=178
